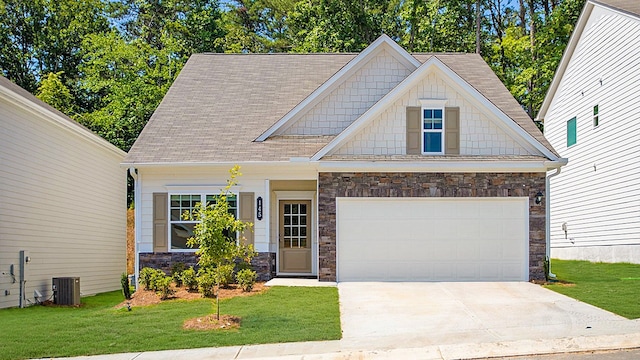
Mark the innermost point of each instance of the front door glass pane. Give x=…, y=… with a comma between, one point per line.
x=295, y=225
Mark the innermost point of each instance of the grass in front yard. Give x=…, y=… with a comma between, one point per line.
x=282, y=314
x=613, y=287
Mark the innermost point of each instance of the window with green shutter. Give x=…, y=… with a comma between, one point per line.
x=596, y=119
x=571, y=132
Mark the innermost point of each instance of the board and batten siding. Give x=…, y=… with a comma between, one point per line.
x=597, y=195
x=63, y=200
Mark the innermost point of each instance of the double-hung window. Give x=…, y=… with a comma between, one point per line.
x=432, y=130
x=180, y=228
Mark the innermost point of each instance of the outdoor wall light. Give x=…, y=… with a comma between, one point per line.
x=538, y=198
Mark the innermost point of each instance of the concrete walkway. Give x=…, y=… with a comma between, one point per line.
x=442, y=321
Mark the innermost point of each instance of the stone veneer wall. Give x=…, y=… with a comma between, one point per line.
x=332, y=185
x=262, y=263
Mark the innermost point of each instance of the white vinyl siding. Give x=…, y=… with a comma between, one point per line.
x=64, y=201
x=598, y=193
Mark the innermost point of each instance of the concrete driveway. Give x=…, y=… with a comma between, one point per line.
x=397, y=315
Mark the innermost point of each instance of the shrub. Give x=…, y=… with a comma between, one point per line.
x=162, y=284
x=126, y=288
x=206, y=283
x=224, y=274
x=189, y=279
x=156, y=277
x=246, y=278
x=146, y=275
x=176, y=273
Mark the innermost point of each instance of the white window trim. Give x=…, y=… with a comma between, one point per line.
x=202, y=195
x=432, y=104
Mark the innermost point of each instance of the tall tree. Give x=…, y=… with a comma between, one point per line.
x=441, y=25
x=128, y=71
x=45, y=36
x=342, y=25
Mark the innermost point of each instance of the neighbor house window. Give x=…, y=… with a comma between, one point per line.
x=596, y=119
x=571, y=132
x=182, y=229
x=432, y=131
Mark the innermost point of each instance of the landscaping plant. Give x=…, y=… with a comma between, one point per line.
x=224, y=275
x=176, y=273
x=126, y=288
x=146, y=275
x=189, y=279
x=206, y=281
x=162, y=284
x=246, y=278
x=215, y=234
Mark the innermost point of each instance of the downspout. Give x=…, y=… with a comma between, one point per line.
x=547, y=221
x=137, y=203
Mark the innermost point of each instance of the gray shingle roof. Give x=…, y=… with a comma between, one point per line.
x=220, y=103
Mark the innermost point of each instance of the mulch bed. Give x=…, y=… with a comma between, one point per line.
x=144, y=297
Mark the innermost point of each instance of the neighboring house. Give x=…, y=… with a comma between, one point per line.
x=381, y=165
x=63, y=202
x=591, y=115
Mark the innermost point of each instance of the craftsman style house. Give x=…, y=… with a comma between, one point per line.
x=381, y=165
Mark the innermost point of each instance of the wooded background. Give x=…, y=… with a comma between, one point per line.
x=108, y=63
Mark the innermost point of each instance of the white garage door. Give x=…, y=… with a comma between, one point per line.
x=432, y=239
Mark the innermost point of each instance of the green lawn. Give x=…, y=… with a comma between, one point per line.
x=613, y=287
x=282, y=314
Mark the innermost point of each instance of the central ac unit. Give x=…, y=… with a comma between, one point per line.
x=66, y=291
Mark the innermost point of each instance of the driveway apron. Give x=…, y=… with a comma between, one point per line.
x=392, y=315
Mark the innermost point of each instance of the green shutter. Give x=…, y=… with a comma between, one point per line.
x=414, y=130
x=452, y=131
x=160, y=216
x=572, y=132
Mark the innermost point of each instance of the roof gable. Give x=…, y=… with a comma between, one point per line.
x=381, y=45
x=518, y=128
x=630, y=8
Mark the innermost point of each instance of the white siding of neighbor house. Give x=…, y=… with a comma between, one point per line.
x=386, y=135
x=598, y=193
x=211, y=180
x=63, y=199
x=352, y=98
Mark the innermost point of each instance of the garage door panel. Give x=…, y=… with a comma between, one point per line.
x=443, y=239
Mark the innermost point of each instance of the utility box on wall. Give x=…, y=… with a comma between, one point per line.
x=66, y=291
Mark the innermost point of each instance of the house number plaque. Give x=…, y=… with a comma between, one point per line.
x=259, y=207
